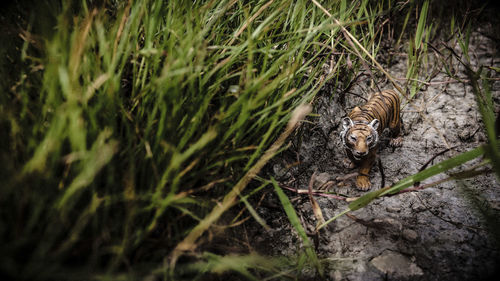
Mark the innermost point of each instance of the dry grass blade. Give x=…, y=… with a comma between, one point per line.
x=189, y=243
x=315, y=192
x=315, y=206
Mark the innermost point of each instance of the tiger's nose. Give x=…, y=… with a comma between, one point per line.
x=360, y=153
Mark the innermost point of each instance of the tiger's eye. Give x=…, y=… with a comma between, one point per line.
x=369, y=139
x=352, y=138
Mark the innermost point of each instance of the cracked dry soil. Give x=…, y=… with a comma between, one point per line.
x=430, y=234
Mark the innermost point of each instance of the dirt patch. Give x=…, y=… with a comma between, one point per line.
x=431, y=234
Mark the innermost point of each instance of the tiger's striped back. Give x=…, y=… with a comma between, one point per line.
x=384, y=106
x=361, y=130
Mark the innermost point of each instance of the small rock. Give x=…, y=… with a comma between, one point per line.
x=410, y=235
x=389, y=224
x=466, y=134
x=390, y=227
x=396, y=266
x=393, y=209
x=336, y=275
x=418, y=207
x=280, y=172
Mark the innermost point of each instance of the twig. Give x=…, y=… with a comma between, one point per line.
x=346, y=177
x=359, y=96
x=314, y=192
x=432, y=159
x=431, y=83
x=314, y=204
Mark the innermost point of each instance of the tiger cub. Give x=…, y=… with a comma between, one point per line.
x=361, y=130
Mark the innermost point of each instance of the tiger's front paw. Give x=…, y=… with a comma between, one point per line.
x=363, y=183
x=348, y=164
x=396, y=142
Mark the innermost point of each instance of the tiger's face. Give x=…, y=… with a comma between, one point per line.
x=359, y=136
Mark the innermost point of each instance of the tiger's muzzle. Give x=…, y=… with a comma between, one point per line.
x=358, y=154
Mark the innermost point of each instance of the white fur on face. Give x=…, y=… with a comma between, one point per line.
x=347, y=124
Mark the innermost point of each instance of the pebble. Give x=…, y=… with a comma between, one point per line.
x=393, y=209
x=396, y=266
x=390, y=223
x=410, y=235
x=336, y=275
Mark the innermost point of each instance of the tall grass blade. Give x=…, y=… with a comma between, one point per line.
x=409, y=181
x=421, y=26
x=435, y=169
x=294, y=220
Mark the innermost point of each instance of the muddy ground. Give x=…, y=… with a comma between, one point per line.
x=431, y=234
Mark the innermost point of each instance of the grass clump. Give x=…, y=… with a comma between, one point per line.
x=128, y=123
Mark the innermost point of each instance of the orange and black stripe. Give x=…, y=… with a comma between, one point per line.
x=384, y=106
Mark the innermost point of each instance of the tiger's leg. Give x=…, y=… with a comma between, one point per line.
x=363, y=178
x=395, y=128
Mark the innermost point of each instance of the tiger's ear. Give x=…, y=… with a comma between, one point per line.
x=347, y=123
x=356, y=109
x=374, y=124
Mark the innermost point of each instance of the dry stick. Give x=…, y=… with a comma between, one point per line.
x=431, y=100
x=314, y=204
x=459, y=175
x=434, y=157
x=314, y=192
x=347, y=176
x=435, y=83
x=189, y=242
x=120, y=28
x=316, y=210
x=351, y=40
x=77, y=49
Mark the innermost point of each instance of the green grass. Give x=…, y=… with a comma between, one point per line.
x=128, y=121
x=130, y=128
x=295, y=221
